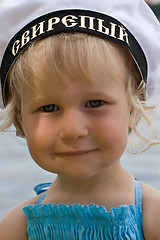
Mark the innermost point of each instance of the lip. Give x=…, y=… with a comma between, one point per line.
x=77, y=152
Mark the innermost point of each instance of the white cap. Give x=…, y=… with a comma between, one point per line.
x=131, y=23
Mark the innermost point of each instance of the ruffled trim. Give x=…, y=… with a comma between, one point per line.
x=82, y=214
x=83, y=222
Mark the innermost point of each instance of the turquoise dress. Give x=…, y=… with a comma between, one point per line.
x=84, y=222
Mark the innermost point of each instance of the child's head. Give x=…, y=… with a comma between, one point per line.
x=75, y=55
x=62, y=93
x=81, y=55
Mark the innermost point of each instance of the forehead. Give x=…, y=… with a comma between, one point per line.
x=69, y=90
x=65, y=59
x=47, y=89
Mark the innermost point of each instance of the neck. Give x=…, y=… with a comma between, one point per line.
x=105, y=178
x=106, y=181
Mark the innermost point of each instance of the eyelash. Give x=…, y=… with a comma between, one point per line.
x=89, y=104
x=96, y=103
x=51, y=108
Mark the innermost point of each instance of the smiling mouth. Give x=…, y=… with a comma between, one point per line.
x=77, y=152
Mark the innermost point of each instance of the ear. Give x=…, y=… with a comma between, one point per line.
x=19, y=128
x=20, y=133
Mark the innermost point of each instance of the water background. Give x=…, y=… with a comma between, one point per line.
x=19, y=174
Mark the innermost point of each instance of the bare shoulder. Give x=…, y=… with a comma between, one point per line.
x=13, y=225
x=151, y=212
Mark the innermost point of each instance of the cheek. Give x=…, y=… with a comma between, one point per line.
x=114, y=132
x=40, y=135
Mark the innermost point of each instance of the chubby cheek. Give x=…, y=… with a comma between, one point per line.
x=114, y=134
x=40, y=137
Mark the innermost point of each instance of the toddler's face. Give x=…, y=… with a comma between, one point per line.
x=75, y=127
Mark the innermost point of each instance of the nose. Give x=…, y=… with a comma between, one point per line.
x=73, y=126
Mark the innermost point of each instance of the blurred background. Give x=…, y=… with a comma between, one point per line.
x=19, y=174
x=155, y=6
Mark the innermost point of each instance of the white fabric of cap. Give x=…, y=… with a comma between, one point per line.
x=135, y=15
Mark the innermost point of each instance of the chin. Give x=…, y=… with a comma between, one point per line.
x=80, y=175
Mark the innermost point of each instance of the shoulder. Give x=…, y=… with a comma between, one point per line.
x=151, y=212
x=13, y=225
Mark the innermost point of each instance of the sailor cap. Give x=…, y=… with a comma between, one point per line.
x=130, y=23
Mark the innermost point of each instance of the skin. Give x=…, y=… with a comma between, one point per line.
x=81, y=138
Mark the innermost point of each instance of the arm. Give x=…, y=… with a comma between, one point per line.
x=151, y=212
x=14, y=225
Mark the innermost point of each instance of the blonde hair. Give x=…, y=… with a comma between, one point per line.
x=63, y=53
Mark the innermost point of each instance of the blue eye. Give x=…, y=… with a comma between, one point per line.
x=50, y=108
x=94, y=103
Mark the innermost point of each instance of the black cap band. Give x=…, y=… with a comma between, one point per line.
x=73, y=20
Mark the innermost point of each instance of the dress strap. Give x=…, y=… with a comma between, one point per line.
x=41, y=198
x=41, y=188
x=138, y=200
x=138, y=195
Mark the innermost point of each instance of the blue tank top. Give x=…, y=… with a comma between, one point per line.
x=84, y=222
